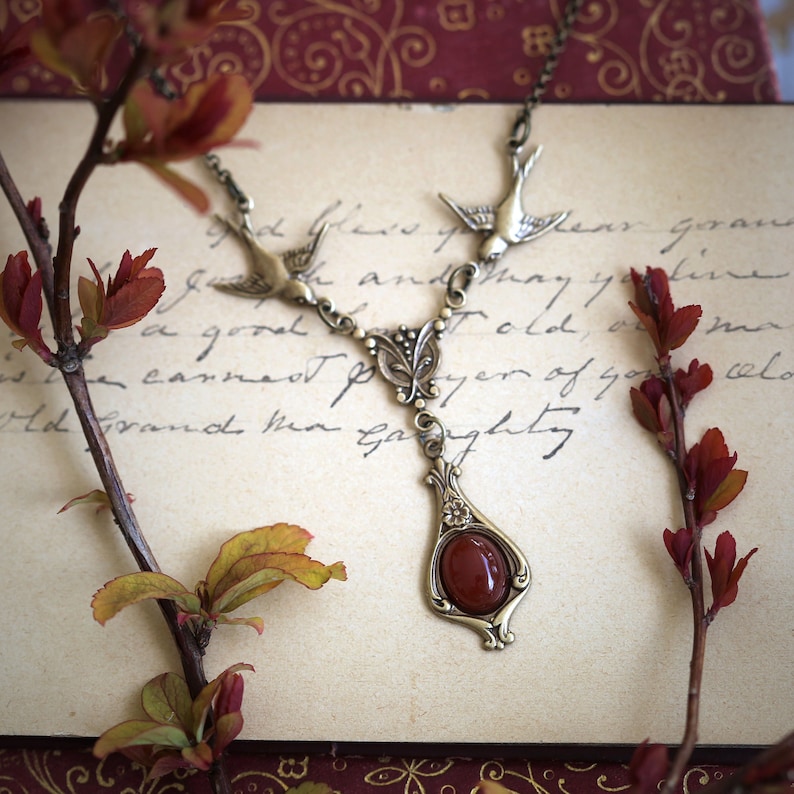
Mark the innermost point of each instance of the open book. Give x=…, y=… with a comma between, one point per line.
x=226, y=414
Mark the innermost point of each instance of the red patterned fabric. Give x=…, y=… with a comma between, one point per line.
x=449, y=50
x=34, y=771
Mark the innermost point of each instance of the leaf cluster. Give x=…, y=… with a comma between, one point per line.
x=248, y=565
x=181, y=732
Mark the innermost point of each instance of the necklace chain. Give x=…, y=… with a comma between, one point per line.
x=522, y=126
x=462, y=277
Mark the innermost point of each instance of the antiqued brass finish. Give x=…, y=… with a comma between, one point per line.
x=477, y=575
x=506, y=224
x=457, y=515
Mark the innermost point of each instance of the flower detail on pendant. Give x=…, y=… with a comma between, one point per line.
x=455, y=513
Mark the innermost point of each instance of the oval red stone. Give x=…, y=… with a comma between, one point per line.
x=474, y=573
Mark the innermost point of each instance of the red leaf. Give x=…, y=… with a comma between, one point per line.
x=679, y=547
x=165, y=763
x=209, y=115
x=21, y=304
x=134, y=300
x=131, y=294
x=647, y=767
x=724, y=574
x=15, y=46
x=708, y=468
x=668, y=328
x=679, y=327
x=694, y=380
x=643, y=411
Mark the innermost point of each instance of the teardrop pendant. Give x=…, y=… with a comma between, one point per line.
x=477, y=574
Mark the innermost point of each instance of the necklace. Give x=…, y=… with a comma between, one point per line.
x=476, y=574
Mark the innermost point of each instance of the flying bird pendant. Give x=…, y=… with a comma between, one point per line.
x=273, y=274
x=506, y=224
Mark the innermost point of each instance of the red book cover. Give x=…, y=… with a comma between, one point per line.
x=711, y=51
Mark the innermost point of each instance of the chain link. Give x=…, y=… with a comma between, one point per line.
x=455, y=297
x=244, y=203
x=522, y=127
x=339, y=322
x=432, y=446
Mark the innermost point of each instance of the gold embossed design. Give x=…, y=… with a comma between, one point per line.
x=456, y=14
x=238, y=47
x=537, y=40
x=326, y=46
x=410, y=772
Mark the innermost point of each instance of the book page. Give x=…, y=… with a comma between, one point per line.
x=225, y=414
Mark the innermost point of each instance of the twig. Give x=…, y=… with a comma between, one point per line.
x=699, y=625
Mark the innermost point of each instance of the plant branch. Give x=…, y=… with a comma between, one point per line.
x=699, y=625
x=70, y=363
x=39, y=247
x=67, y=231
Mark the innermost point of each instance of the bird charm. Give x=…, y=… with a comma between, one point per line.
x=506, y=224
x=273, y=275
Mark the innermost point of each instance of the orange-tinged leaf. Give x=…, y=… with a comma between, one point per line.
x=286, y=538
x=136, y=587
x=166, y=699
x=190, y=192
x=91, y=298
x=198, y=756
x=727, y=490
x=256, y=574
x=255, y=623
x=97, y=497
x=139, y=732
x=491, y=787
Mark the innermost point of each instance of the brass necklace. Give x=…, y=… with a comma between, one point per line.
x=476, y=574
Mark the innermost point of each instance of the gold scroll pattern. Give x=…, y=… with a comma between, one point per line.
x=78, y=772
x=327, y=44
x=649, y=50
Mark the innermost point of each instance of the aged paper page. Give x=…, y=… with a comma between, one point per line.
x=226, y=414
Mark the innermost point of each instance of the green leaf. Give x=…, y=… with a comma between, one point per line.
x=136, y=587
x=308, y=787
x=166, y=699
x=139, y=732
x=227, y=727
x=277, y=538
x=256, y=574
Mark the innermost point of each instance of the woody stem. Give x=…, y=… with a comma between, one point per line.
x=699, y=624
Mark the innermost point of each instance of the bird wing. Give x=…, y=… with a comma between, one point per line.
x=299, y=260
x=253, y=286
x=531, y=226
x=479, y=219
